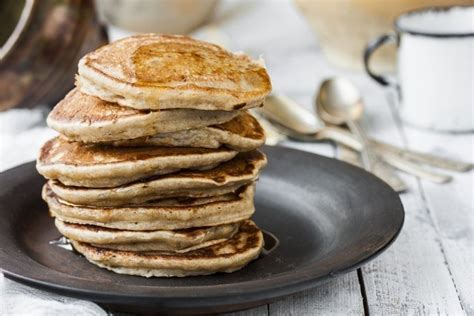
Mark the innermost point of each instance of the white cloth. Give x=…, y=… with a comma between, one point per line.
x=22, y=132
x=18, y=299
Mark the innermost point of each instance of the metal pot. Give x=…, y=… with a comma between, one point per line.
x=42, y=42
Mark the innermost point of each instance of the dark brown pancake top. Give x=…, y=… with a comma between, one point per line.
x=242, y=165
x=244, y=125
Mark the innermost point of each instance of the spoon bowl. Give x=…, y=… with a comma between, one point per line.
x=339, y=101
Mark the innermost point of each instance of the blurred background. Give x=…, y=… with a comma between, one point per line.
x=43, y=40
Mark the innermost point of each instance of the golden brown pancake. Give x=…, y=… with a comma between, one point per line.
x=183, y=240
x=151, y=71
x=88, y=165
x=89, y=119
x=164, y=214
x=227, y=256
x=225, y=178
x=242, y=133
x=155, y=168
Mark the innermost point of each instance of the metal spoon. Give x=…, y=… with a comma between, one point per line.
x=294, y=121
x=339, y=102
x=278, y=112
x=302, y=122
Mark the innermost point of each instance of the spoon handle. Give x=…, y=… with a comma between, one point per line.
x=382, y=170
x=368, y=157
x=344, y=137
x=415, y=169
x=428, y=159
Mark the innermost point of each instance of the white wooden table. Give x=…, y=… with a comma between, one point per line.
x=429, y=269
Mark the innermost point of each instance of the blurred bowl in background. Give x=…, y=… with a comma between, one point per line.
x=156, y=16
x=344, y=27
x=41, y=44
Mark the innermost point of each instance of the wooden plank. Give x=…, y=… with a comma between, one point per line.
x=258, y=311
x=340, y=296
x=451, y=208
x=412, y=277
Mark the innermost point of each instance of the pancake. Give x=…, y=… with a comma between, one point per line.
x=165, y=214
x=225, y=178
x=89, y=119
x=157, y=240
x=83, y=165
x=242, y=133
x=227, y=256
x=150, y=71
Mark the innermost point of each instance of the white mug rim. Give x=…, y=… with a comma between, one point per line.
x=401, y=29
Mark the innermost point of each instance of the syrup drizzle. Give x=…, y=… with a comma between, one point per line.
x=271, y=242
x=62, y=242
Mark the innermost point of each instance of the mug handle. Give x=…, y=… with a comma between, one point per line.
x=373, y=46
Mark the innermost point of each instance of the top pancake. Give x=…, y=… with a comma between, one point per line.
x=152, y=71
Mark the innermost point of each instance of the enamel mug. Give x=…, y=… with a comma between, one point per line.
x=435, y=67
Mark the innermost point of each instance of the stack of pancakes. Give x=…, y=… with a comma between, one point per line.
x=154, y=171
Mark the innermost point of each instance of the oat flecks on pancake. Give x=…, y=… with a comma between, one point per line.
x=82, y=165
x=169, y=71
x=225, y=178
x=89, y=119
x=227, y=256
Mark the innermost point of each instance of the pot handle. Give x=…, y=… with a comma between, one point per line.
x=373, y=46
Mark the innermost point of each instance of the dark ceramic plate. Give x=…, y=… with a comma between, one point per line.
x=329, y=217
